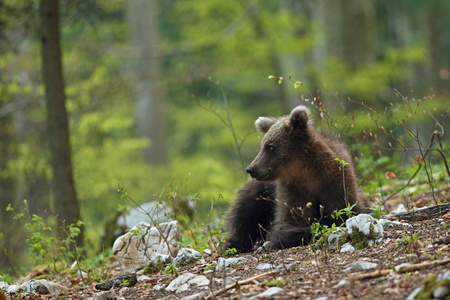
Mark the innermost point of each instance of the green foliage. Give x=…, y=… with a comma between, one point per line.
x=370, y=79
x=230, y=252
x=407, y=240
x=378, y=211
x=44, y=245
x=171, y=269
x=348, y=212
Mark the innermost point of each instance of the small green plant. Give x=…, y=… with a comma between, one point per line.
x=124, y=283
x=378, y=211
x=44, y=245
x=407, y=240
x=231, y=251
x=347, y=211
x=171, y=269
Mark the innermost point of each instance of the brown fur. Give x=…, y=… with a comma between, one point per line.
x=304, y=183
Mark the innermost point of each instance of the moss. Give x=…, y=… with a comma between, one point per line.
x=429, y=285
x=345, y=237
x=152, y=268
x=275, y=282
x=359, y=240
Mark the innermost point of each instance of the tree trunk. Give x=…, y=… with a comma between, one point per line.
x=64, y=196
x=144, y=32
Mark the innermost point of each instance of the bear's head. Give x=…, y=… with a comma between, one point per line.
x=284, y=142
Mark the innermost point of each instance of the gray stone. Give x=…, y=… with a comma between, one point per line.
x=361, y=265
x=14, y=288
x=134, y=251
x=267, y=246
x=285, y=267
x=185, y=281
x=401, y=209
x=341, y=284
x=186, y=256
x=207, y=252
x=229, y=280
x=43, y=287
x=441, y=291
x=106, y=295
x=270, y=292
x=3, y=285
x=347, y=247
x=222, y=263
x=265, y=266
x=365, y=224
x=333, y=239
x=201, y=295
x=414, y=293
x=157, y=287
x=388, y=223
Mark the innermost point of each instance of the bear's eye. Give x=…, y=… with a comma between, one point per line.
x=270, y=148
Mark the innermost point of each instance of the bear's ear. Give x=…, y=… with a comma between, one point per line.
x=299, y=117
x=263, y=124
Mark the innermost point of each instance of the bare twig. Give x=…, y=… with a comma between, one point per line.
x=403, y=269
x=229, y=124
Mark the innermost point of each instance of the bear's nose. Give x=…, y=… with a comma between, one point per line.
x=250, y=171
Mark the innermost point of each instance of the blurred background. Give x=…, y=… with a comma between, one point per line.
x=161, y=96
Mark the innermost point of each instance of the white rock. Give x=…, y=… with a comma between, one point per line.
x=285, y=267
x=14, y=288
x=347, y=247
x=134, y=251
x=201, y=295
x=186, y=256
x=401, y=209
x=333, y=239
x=341, y=284
x=106, y=295
x=361, y=265
x=3, y=285
x=414, y=293
x=388, y=223
x=161, y=259
x=207, y=252
x=157, y=287
x=440, y=292
x=229, y=280
x=267, y=246
x=268, y=293
x=185, y=281
x=42, y=286
x=143, y=278
x=251, y=257
x=365, y=224
x=222, y=263
x=265, y=266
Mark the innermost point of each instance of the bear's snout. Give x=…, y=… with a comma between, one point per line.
x=250, y=171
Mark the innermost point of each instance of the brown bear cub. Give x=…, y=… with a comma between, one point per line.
x=298, y=182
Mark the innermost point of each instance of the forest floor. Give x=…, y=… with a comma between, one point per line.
x=425, y=245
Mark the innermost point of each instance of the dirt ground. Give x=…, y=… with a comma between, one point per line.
x=424, y=244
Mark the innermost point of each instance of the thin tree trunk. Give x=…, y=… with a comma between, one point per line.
x=64, y=195
x=144, y=32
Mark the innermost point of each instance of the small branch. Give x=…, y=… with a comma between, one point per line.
x=238, y=283
x=417, y=171
x=404, y=269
